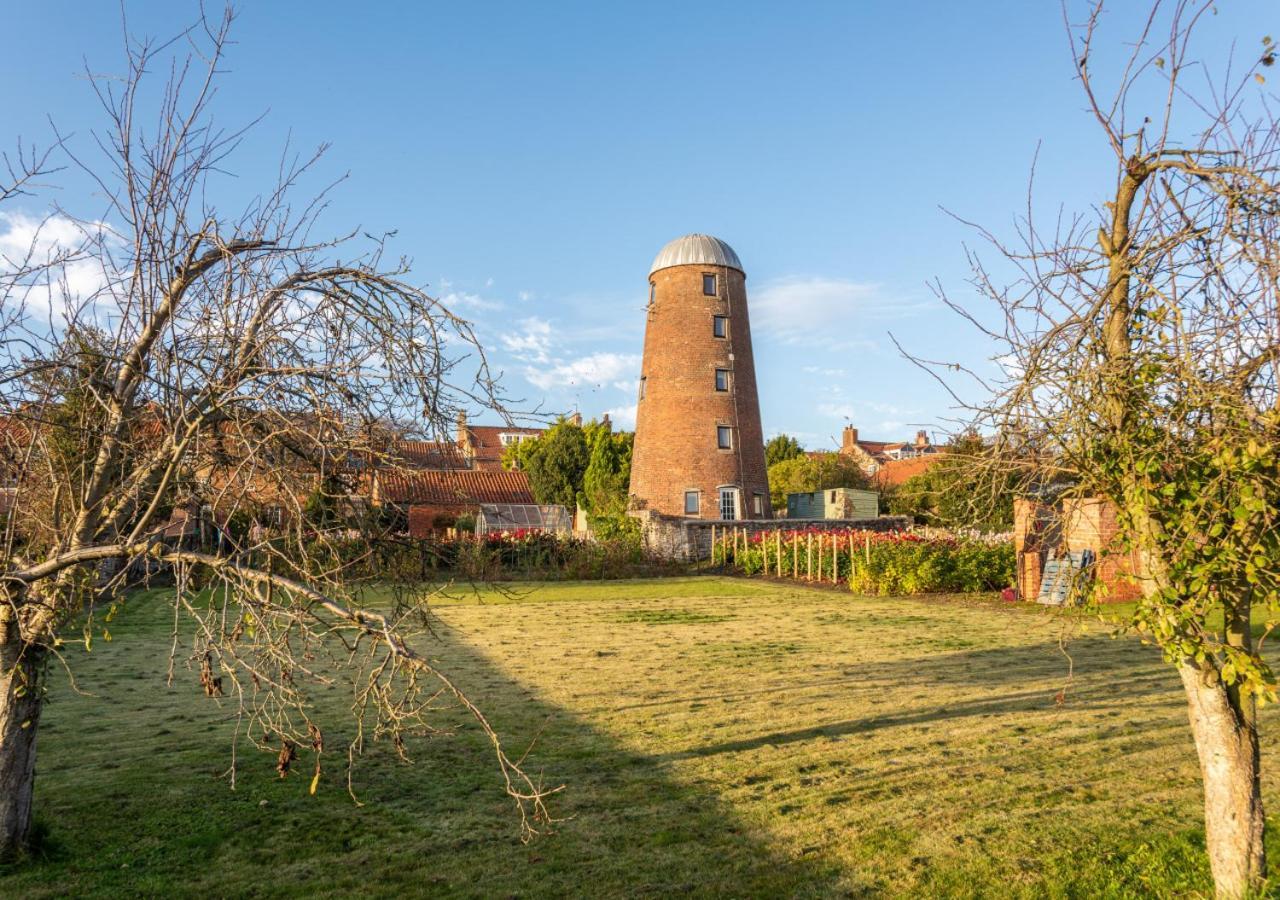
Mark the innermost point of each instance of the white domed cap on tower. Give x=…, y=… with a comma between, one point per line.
x=696, y=250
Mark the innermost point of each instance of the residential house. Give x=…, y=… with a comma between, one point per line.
x=872, y=455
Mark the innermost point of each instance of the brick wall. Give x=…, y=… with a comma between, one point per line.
x=1040, y=530
x=423, y=517
x=676, y=420
x=1090, y=524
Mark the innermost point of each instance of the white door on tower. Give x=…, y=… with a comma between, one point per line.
x=728, y=503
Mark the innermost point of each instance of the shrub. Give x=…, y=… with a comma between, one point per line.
x=882, y=562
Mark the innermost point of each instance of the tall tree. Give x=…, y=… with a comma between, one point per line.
x=608, y=474
x=1139, y=343
x=555, y=462
x=819, y=472
x=231, y=355
x=780, y=448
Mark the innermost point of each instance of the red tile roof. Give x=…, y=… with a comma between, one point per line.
x=896, y=471
x=466, y=487
x=429, y=455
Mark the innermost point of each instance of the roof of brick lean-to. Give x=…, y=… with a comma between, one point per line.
x=449, y=488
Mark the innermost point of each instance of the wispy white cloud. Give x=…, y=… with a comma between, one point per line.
x=77, y=267
x=531, y=343
x=831, y=312
x=596, y=370
x=464, y=302
x=829, y=373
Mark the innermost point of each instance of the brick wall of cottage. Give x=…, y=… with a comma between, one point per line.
x=677, y=416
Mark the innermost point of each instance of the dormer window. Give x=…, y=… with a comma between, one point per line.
x=709, y=285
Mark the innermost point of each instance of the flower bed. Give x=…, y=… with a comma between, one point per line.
x=873, y=562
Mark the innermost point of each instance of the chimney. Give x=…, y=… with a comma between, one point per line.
x=849, y=439
x=922, y=439
x=464, y=434
x=576, y=419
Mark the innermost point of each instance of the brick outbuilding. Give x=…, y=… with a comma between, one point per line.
x=433, y=499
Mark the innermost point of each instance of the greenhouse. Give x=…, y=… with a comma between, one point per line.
x=499, y=517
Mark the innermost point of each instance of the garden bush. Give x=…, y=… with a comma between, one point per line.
x=880, y=563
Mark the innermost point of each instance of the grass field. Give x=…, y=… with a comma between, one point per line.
x=716, y=737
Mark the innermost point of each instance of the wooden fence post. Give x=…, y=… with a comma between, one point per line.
x=820, y=542
x=808, y=557
x=868, y=548
x=835, y=559
x=777, y=541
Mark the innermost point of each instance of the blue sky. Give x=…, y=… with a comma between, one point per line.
x=533, y=158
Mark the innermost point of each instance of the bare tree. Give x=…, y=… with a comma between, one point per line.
x=167, y=363
x=1139, y=349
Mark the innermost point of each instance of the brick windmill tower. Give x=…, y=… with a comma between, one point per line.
x=699, y=448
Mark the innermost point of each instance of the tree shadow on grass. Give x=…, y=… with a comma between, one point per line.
x=130, y=785
x=1036, y=679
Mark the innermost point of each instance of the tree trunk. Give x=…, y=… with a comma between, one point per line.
x=1226, y=736
x=20, y=701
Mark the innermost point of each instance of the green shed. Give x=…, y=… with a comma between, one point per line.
x=834, y=503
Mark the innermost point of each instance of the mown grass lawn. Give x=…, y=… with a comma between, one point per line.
x=715, y=736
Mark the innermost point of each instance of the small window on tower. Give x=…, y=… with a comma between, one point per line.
x=642, y=382
x=724, y=437
x=652, y=290
x=722, y=379
x=720, y=326
x=690, y=503
x=757, y=505
x=709, y=285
